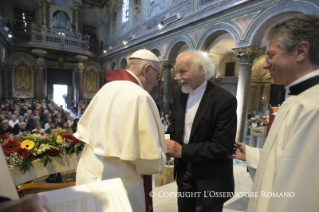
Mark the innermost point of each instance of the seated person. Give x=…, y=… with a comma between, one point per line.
x=22, y=128
x=47, y=124
x=165, y=125
x=51, y=127
x=69, y=130
x=38, y=128
x=5, y=128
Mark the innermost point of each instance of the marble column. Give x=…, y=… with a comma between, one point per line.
x=81, y=72
x=167, y=85
x=39, y=79
x=44, y=13
x=246, y=56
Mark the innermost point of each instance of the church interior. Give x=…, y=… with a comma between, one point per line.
x=74, y=42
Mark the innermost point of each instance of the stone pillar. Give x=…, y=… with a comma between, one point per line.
x=39, y=74
x=167, y=84
x=76, y=21
x=246, y=56
x=4, y=80
x=44, y=13
x=39, y=79
x=81, y=72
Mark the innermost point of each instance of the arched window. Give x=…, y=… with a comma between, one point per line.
x=60, y=19
x=125, y=10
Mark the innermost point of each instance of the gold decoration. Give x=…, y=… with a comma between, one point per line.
x=91, y=81
x=23, y=79
x=258, y=73
x=40, y=64
x=80, y=68
x=168, y=63
x=247, y=54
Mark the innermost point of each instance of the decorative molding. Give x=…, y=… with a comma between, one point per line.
x=80, y=68
x=165, y=44
x=40, y=64
x=5, y=66
x=159, y=3
x=196, y=35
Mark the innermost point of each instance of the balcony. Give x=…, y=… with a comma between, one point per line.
x=29, y=35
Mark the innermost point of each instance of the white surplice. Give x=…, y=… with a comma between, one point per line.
x=289, y=160
x=124, y=138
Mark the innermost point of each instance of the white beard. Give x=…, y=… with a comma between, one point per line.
x=186, y=89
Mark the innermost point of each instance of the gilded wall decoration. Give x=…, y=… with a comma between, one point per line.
x=23, y=78
x=91, y=83
x=257, y=71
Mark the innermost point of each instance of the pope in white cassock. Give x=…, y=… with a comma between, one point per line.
x=289, y=160
x=122, y=129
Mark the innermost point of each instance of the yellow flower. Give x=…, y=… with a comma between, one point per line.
x=27, y=144
x=59, y=139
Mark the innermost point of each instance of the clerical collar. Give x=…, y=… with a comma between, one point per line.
x=139, y=82
x=200, y=88
x=303, y=83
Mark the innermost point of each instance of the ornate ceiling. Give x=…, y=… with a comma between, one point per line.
x=98, y=3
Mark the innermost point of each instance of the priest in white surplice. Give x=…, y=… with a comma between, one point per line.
x=289, y=160
x=122, y=129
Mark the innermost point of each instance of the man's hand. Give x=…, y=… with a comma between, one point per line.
x=240, y=152
x=168, y=157
x=174, y=149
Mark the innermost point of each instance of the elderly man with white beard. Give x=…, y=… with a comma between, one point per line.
x=203, y=129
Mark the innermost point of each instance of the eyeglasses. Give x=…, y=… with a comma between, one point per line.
x=269, y=57
x=159, y=76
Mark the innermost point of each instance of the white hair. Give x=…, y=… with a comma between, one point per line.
x=201, y=61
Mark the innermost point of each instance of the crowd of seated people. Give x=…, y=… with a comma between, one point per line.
x=30, y=115
x=78, y=107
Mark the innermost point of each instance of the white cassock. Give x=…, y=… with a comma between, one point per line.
x=124, y=138
x=289, y=161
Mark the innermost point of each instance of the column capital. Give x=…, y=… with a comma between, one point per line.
x=247, y=54
x=168, y=63
x=40, y=64
x=80, y=68
x=5, y=66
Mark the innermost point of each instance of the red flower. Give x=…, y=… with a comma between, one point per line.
x=53, y=152
x=70, y=138
x=10, y=146
x=4, y=137
x=25, y=153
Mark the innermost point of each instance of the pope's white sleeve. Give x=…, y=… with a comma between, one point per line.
x=252, y=156
x=147, y=167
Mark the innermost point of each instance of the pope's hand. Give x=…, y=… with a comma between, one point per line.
x=240, y=152
x=174, y=149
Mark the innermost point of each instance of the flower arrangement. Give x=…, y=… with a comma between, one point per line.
x=258, y=121
x=22, y=149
